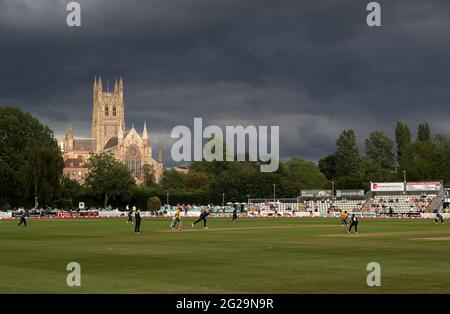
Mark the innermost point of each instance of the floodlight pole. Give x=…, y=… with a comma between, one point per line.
x=274, y=192
x=167, y=198
x=404, y=181
x=223, y=200
x=332, y=191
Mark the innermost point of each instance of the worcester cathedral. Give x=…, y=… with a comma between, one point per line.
x=109, y=135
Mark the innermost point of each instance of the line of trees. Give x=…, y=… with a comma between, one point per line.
x=110, y=183
x=31, y=170
x=422, y=158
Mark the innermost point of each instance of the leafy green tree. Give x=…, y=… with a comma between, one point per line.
x=172, y=179
x=442, y=141
x=27, y=149
x=194, y=180
x=347, y=154
x=148, y=174
x=298, y=174
x=42, y=172
x=402, y=138
x=153, y=203
x=350, y=182
x=237, y=185
x=328, y=166
x=427, y=161
x=370, y=170
x=216, y=167
x=70, y=191
x=108, y=177
x=424, y=133
x=379, y=148
x=8, y=183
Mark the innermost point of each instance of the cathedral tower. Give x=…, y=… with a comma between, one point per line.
x=68, y=139
x=107, y=112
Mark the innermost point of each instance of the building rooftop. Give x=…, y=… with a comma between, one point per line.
x=84, y=144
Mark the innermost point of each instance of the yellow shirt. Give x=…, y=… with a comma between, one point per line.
x=177, y=213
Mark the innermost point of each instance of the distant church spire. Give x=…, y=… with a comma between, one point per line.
x=69, y=131
x=68, y=139
x=144, y=133
x=121, y=86
x=100, y=85
x=95, y=90
x=160, y=156
x=116, y=86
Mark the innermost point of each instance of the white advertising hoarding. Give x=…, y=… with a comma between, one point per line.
x=316, y=193
x=387, y=186
x=349, y=193
x=423, y=186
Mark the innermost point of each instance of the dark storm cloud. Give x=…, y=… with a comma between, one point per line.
x=312, y=67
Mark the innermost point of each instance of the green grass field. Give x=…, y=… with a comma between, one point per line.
x=284, y=255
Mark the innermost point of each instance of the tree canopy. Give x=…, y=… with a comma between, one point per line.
x=379, y=148
x=347, y=154
x=402, y=138
x=108, y=177
x=30, y=160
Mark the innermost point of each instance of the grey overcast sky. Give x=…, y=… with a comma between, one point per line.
x=313, y=67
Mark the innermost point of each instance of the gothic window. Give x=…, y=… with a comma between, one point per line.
x=133, y=161
x=106, y=111
x=114, y=111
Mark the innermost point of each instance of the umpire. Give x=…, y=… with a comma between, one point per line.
x=137, y=219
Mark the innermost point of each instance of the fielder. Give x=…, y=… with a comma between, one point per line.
x=438, y=218
x=235, y=216
x=23, y=218
x=203, y=214
x=130, y=215
x=353, y=223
